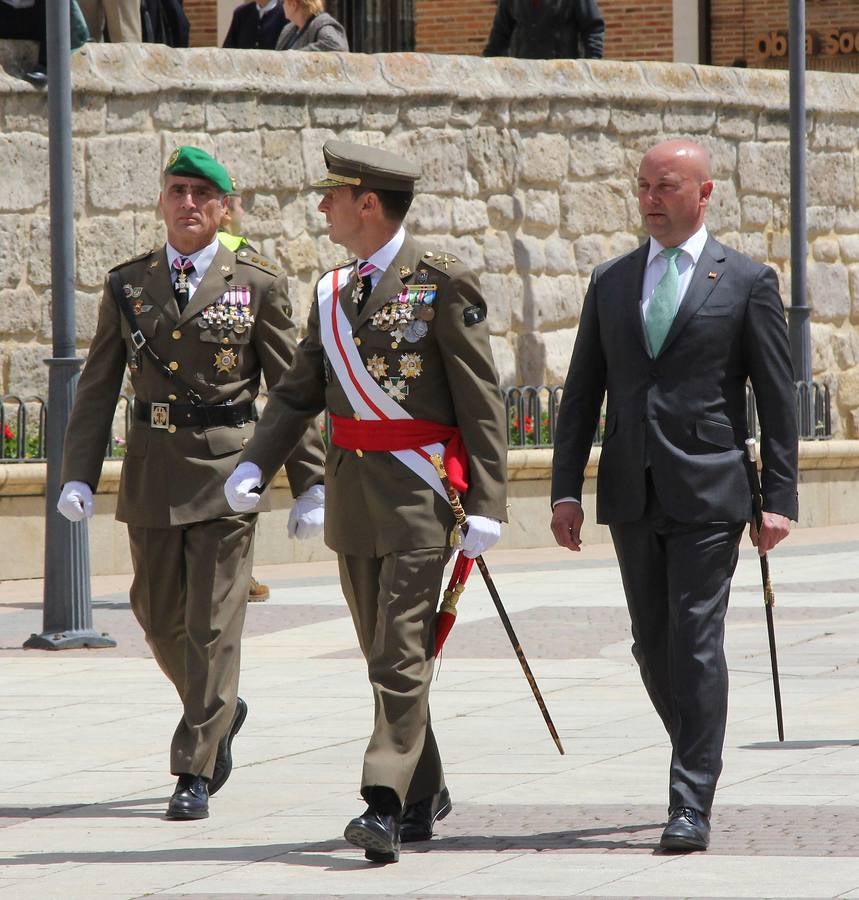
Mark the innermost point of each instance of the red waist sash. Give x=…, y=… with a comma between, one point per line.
x=404, y=434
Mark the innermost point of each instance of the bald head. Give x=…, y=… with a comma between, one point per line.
x=674, y=188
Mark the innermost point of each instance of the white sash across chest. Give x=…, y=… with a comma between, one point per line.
x=365, y=395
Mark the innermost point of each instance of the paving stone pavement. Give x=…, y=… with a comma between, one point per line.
x=85, y=734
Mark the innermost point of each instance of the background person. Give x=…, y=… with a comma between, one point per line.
x=217, y=319
x=122, y=18
x=670, y=334
x=547, y=29
x=397, y=340
x=311, y=28
x=256, y=25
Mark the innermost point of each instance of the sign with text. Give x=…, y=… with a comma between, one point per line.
x=832, y=42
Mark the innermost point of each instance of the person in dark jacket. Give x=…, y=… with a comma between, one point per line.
x=547, y=29
x=311, y=28
x=256, y=25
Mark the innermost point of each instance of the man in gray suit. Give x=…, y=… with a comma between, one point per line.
x=671, y=333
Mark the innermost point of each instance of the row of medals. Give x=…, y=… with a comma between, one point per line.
x=407, y=315
x=231, y=312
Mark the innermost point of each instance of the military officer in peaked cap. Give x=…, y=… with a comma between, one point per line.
x=397, y=350
x=196, y=324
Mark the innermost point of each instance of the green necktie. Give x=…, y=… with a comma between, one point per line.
x=663, y=303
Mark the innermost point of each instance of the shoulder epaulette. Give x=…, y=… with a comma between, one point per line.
x=446, y=263
x=134, y=259
x=252, y=258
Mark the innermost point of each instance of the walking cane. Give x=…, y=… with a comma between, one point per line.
x=769, y=596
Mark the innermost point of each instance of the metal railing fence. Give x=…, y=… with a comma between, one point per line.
x=531, y=413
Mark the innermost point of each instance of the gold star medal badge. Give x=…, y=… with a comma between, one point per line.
x=377, y=366
x=226, y=359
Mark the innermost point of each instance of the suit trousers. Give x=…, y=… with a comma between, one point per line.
x=677, y=578
x=190, y=594
x=393, y=602
x=122, y=18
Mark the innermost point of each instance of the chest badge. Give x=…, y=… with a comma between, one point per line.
x=377, y=366
x=226, y=360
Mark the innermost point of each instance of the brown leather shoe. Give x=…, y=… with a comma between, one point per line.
x=258, y=592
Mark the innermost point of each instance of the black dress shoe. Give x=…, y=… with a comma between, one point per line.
x=190, y=800
x=419, y=818
x=224, y=759
x=687, y=829
x=378, y=833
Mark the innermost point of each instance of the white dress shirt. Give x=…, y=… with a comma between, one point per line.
x=691, y=248
x=384, y=256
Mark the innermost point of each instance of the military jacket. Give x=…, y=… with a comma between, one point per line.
x=236, y=327
x=443, y=373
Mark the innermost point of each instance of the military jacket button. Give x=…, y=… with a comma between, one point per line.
x=357, y=342
x=176, y=335
x=171, y=397
x=173, y=366
x=359, y=452
x=244, y=442
x=171, y=428
x=356, y=417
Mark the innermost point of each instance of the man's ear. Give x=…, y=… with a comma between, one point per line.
x=369, y=202
x=706, y=191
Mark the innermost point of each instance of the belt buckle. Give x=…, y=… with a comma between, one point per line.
x=159, y=415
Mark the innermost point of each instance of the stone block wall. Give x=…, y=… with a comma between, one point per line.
x=529, y=176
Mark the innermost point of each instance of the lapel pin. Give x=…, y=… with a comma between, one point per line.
x=711, y=274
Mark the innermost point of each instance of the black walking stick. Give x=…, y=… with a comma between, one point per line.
x=769, y=596
x=459, y=515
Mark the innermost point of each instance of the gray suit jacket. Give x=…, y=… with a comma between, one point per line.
x=682, y=413
x=322, y=32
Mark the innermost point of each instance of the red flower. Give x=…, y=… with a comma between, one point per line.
x=529, y=425
x=8, y=434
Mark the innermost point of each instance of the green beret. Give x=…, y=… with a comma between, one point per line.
x=196, y=162
x=367, y=167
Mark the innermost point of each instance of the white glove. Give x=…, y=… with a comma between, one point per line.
x=482, y=534
x=307, y=515
x=239, y=487
x=75, y=501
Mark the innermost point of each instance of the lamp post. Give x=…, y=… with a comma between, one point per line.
x=799, y=312
x=67, y=602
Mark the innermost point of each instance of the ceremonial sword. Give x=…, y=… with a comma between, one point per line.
x=769, y=596
x=459, y=515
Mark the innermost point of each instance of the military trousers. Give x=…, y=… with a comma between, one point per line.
x=677, y=579
x=190, y=594
x=393, y=601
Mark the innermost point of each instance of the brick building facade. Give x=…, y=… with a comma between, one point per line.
x=745, y=32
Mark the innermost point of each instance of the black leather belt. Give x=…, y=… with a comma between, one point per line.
x=163, y=415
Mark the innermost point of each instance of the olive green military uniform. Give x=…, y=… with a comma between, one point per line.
x=390, y=528
x=192, y=555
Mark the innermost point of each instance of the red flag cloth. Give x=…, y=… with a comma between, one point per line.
x=447, y=611
x=404, y=434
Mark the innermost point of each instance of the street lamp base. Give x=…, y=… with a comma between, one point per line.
x=69, y=640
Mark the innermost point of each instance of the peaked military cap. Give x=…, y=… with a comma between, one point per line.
x=196, y=162
x=366, y=167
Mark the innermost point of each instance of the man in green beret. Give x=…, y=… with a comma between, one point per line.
x=197, y=325
x=397, y=349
